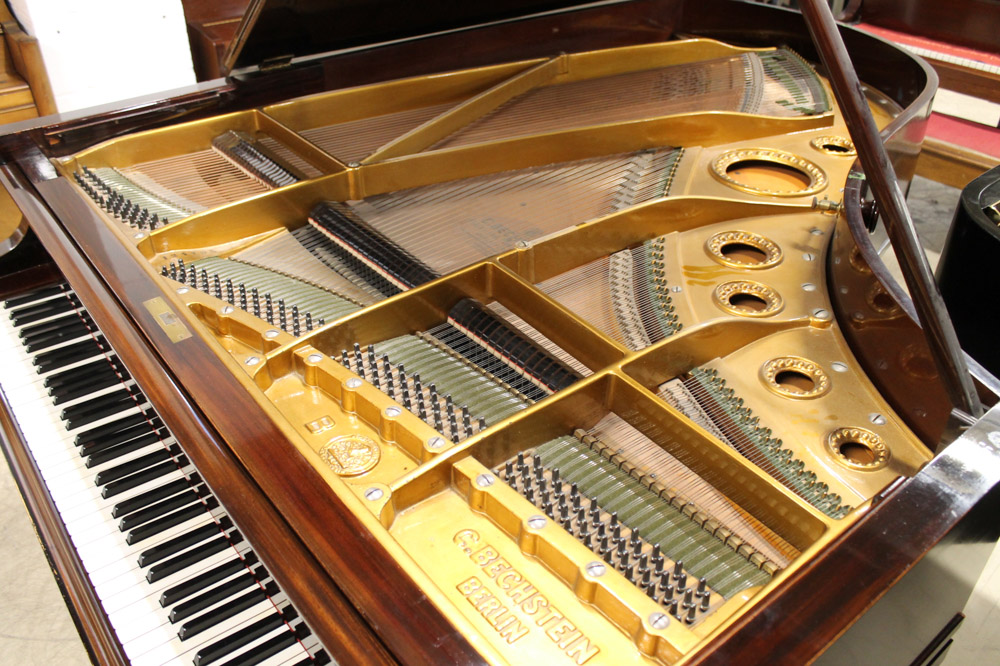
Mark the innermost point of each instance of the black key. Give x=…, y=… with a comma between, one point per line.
x=95, y=404
x=268, y=648
x=203, y=580
x=51, y=361
x=227, y=590
x=123, y=438
x=227, y=645
x=178, y=543
x=66, y=301
x=187, y=559
x=206, y=621
x=124, y=469
x=160, y=525
x=32, y=313
x=108, y=453
x=106, y=430
x=60, y=333
x=35, y=295
x=141, y=501
x=122, y=401
x=85, y=386
x=145, y=476
x=66, y=378
x=78, y=320
x=161, y=508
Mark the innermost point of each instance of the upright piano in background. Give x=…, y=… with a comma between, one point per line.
x=553, y=335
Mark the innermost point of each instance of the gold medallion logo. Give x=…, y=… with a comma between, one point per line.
x=350, y=455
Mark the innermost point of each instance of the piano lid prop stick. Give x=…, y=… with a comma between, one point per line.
x=940, y=333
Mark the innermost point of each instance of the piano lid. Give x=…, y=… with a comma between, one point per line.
x=274, y=31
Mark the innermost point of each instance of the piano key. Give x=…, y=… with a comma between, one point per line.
x=125, y=469
x=86, y=386
x=151, y=529
x=99, y=433
x=33, y=313
x=212, y=596
x=145, y=499
x=187, y=559
x=193, y=585
x=131, y=587
x=115, y=451
x=263, y=651
x=224, y=612
x=117, y=487
x=54, y=359
x=163, y=507
x=164, y=550
x=35, y=295
x=150, y=651
x=220, y=649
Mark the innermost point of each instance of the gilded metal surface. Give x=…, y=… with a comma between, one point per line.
x=795, y=377
x=167, y=319
x=833, y=144
x=726, y=248
x=748, y=298
x=858, y=448
x=730, y=160
x=525, y=590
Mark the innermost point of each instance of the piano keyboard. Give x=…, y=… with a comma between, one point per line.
x=176, y=580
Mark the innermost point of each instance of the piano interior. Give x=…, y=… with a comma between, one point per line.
x=557, y=332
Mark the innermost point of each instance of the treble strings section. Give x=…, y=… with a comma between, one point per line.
x=703, y=395
x=152, y=194
x=769, y=83
x=625, y=295
x=645, y=513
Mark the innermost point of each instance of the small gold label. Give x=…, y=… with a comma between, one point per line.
x=167, y=319
x=321, y=424
x=350, y=455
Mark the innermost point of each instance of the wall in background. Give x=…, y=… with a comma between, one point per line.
x=100, y=51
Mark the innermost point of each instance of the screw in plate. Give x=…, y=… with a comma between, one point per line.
x=876, y=419
x=354, y=383
x=536, y=522
x=314, y=358
x=839, y=366
x=183, y=290
x=820, y=313
x=808, y=256
x=435, y=442
x=270, y=333
x=374, y=494
x=485, y=480
x=808, y=286
x=393, y=412
x=227, y=309
x=596, y=569
x=253, y=360
x=659, y=620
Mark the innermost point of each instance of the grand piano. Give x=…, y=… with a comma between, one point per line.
x=508, y=334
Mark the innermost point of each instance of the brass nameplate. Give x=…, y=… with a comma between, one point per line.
x=167, y=319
